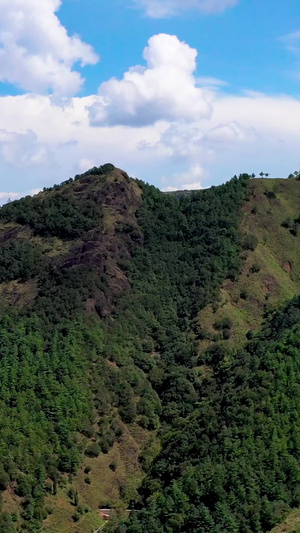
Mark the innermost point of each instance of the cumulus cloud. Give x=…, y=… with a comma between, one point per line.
x=229, y=133
x=200, y=141
x=6, y=197
x=189, y=146
x=166, y=8
x=36, y=52
x=163, y=90
x=22, y=149
x=85, y=164
x=188, y=181
x=178, y=141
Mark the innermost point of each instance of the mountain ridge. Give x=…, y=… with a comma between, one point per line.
x=105, y=286
x=275, y=277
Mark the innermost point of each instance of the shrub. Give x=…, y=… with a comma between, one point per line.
x=76, y=517
x=250, y=242
x=288, y=223
x=4, y=480
x=117, y=427
x=255, y=268
x=223, y=323
x=202, y=334
x=88, y=430
x=294, y=230
x=244, y=294
x=128, y=412
x=93, y=450
x=48, y=487
x=105, y=446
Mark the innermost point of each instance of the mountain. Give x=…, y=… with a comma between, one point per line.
x=271, y=269
x=150, y=357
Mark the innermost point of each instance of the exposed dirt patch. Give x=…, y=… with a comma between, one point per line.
x=288, y=267
x=19, y=294
x=269, y=285
x=10, y=233
x=112, y=364
x=91, y=305
x=105, y=248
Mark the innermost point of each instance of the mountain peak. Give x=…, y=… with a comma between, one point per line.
x=89, y=220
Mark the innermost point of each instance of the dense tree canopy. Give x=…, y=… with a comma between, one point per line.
x=230, y=446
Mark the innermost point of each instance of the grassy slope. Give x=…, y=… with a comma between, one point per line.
x=277, y=254
x=107, y=488
x=272, y=285
x=277, y=251
x=290, y=525
x=56, y=250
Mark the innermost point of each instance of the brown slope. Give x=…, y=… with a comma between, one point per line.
x=104, y=247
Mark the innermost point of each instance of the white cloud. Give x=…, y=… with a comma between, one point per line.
x=247, y=132
x=188, y=181
x=277, y=115
x=164, y=90
x=36, y=52
x=228, y=134
x=210, y=82
x=22, y=149
x=33, y=192
x=199, y=140
x=11, y=196
x=85, y=164
x=166, y=8
x=178, y=141
x=292, y=41
x=7, y=196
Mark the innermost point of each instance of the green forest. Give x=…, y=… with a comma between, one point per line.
x=232, y=464
x=115, y=273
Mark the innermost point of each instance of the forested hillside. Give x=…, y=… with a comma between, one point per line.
x=270, y=274
x=232, y=464
x=114, y=393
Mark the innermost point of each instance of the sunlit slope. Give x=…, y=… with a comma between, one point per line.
x=270, y=273
x=290, y=525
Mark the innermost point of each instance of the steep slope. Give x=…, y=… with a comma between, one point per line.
x=121, y=382
x=270, y=274
x=79, y=223
x=290, y=525
x=60, y=255
x=101, y=278
x=232, y=465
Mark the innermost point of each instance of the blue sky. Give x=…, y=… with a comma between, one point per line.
x=217, y=90
x=241, y=46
